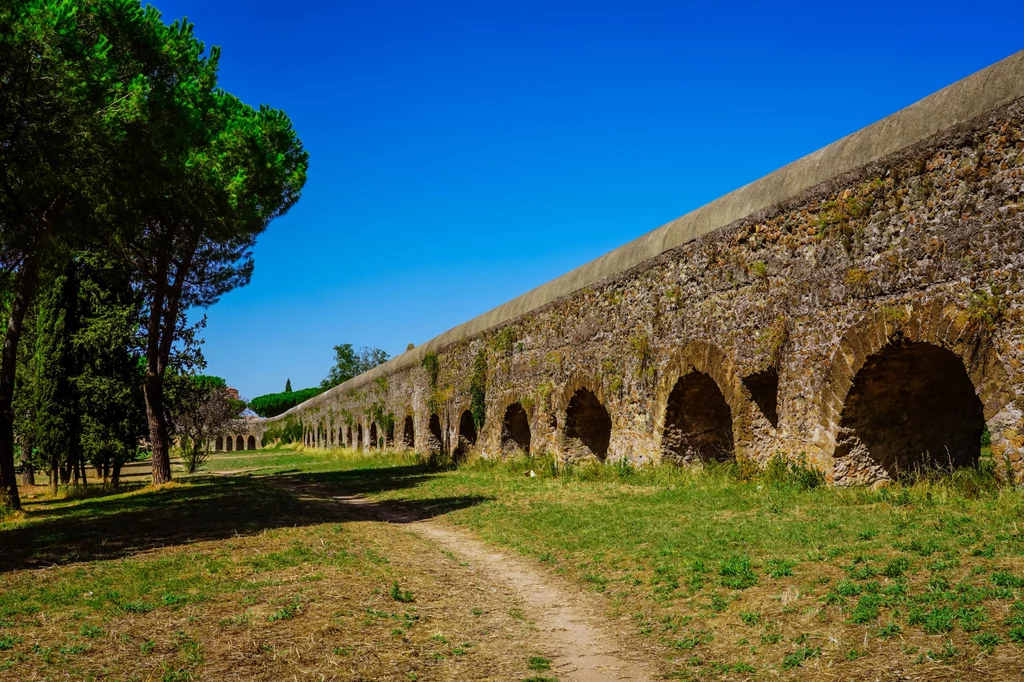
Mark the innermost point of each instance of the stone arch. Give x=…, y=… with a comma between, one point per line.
x=698, y=421
x=515, y=429
x=348, y=437
x=251, y=443
x=706, y=359
x=467, y=435
x=389, y=433
x=436, y=441
x=341, y=436
x=360, y=444
x=587, y=422
x=409, y=432
x=911, y=406
x=373, y=435
x=933, y=332
x=240, y=443
x=218, y=444
x=229, y=442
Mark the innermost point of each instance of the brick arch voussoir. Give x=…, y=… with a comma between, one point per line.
x=938, y=322
x=702, y=356
x=578, y=380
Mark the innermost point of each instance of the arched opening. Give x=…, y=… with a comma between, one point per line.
x=359, y=435
x=912, y=406
x=588, y=421
x=228, y=442
x=515, y=430
x=764, y=389
x=467, y=435
x=436, y=442
x=218, y=444
x=240, y=443
x=251, y=444
x=389, y=434
x=373, y=435
x=348, y=437
x=409, y=433
x=698, y=421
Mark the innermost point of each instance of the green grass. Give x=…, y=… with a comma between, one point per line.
x=919, y=562
x=778, y=574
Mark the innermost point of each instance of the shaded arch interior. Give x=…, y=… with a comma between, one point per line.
x=698, y=421
x=587, y=420
x=515, y=429
x=409, y=432
x=912, y=406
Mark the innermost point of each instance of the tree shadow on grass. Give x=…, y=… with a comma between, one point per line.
x=215, y=508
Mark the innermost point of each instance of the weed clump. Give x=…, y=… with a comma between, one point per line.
x=736, y=573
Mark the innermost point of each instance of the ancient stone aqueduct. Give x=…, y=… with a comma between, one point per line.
x=860, y=307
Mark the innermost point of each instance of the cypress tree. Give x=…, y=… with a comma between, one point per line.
x=287, y=385
x=58, y=424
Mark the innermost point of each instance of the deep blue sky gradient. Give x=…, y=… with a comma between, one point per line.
x=463, y=153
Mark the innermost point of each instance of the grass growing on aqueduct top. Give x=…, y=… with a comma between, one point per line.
x=719, y=577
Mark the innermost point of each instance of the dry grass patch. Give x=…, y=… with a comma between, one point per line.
x=313, y=593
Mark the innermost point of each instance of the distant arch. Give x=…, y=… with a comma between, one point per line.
x=698, y=421
x=348, y=437
x=218, y=444
x=373, y=435
x=515, y=429
x=409, y=433
x=251, y=444
x=389, y=433
x=587, y=421
x=240, y=443
x=229, y=441
x=467, y=435
x=359, y=434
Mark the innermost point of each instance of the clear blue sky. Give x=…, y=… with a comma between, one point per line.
x=463, y=153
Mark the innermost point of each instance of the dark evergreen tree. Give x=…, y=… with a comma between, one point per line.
x=58, y=421
x=110, y=379
x=287, y=385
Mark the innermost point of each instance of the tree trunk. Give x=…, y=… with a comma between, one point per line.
x=115, y=475
x=158, y=436
x=28, y=475
x=25, y=288
x=53, y=474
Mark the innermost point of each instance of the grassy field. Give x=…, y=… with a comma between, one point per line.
x=723, y=578
x=239, y=578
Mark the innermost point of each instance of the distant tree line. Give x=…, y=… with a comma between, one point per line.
x=347, y=364
x=132, y=189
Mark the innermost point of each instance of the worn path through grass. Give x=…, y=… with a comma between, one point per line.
x=734, y=579
x=586, y=647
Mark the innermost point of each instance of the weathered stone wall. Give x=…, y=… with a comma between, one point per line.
x=767, y=323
